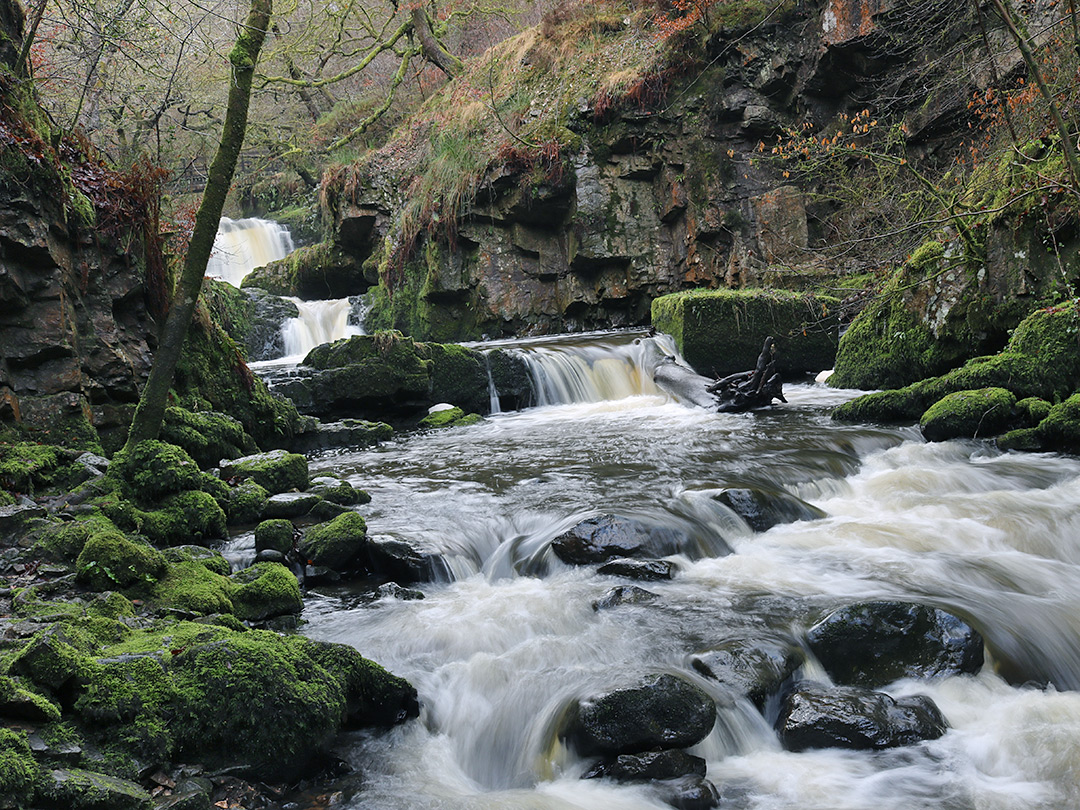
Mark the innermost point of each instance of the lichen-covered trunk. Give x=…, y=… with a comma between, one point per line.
x=243, y=57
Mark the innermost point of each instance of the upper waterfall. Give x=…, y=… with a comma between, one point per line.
x=242, y=245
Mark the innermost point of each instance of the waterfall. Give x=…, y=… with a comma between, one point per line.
x=242, y=245
x=319, y=322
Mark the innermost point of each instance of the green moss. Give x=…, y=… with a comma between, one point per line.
x=228, y=307
x=110, y=605
x=6, y=498
x=31, y=468
x=207, y=436
x=54, y=655
x=968, y=414
x=18, y=702
x=191, y=587
x=65, y=541
x=449, y=417
x=336, y=544
x=29, y=605
x=338, y=491
x=110, y=560
x=210, y=559
x=1033, y=410
x=276, y=534
x=276, y=471
x=19, y=772
x=155, y=469
x=1060, y=430
x=187, y=517
x=265, y=590
x=246, y=502
x=720, y=332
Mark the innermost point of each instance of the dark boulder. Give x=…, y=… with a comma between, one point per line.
x=754, y=668
x=668, y=764
x=624, y=595
x=818, y=716
x=663, y=712
x=691, y=792
x=398, y=561
x=607, y=537
x=264, y=339
x=646, y=570
x=764, y=508
x=875, y=643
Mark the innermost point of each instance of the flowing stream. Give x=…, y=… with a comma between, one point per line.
x=498, y=652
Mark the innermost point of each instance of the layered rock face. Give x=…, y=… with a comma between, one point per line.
x=662, y=198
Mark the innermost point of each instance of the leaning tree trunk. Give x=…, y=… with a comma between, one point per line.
x=244, y=55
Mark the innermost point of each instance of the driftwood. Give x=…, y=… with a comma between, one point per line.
x=732, y=394
x=750, y=389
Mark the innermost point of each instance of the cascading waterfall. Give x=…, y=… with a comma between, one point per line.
x=241, y=245
x=499, y=653
x=319, y=322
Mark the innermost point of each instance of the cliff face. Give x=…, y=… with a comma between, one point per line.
x=73, y=322
x=666, y=193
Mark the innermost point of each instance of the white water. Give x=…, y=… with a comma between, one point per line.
x=319, y=322
x=241, y=245
x=499, y=653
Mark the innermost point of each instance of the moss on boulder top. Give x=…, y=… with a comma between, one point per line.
x=1041, y=359
x=338, y=544
x=968, y=414
x=154, y=469
x=111, y=560
x=720, y=332
x=207, y=436
x=276, y=471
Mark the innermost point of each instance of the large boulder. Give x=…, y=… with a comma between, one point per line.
x=266, y=590
x=753, y=668
x=661, y=712
x=720, y=332
x=339, y=544
x=968, y=414
x=762, y=508
x=276, y=471
x=817, y=716
x=664, y=764
x=876, y=643
x=607, y=537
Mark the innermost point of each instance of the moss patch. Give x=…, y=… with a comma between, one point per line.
x=110, y=560
x=336, y=544
x=968, y=414
x=265, y=590
x=207, y=437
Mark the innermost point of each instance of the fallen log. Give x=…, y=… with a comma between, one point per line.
x=735, y=393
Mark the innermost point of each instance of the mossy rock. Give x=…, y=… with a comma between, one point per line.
x=1041, y=360
x=449, y=417
x=720, y=332
x=187, y=517
x=64, y=542
x=110, y=605
x=276, y=471
x=276, y=534
x=266, y=590
x=200, y=693
x=111, y=560
x=210, y=559
x=458, y=375
x=1060, y=430
x=338, y=491
x=338, y=544
x=190, y=587
x=19, y=703
x=77, y=789
x=19, y=771
x=968, y=414
x=1033, y=410
x=207, y=436
x=246, y=502
x=30, y=468
x=54, y=656
x=155, y=469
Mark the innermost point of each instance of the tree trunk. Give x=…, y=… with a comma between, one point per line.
x=244, y=55
x=433, y=50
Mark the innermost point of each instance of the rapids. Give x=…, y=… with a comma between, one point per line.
x=499, y=652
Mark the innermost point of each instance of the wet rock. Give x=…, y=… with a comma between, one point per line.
x=764, y=508
x=263, y=338
x=271, y=555
x=401, y=562
x=644, y=570
x=817, y=716
x=391, y=590
x=338, y=491
x=667, y=764
x=662, y=712
x=875, y=643
x=326, y=510
x=266, y=590
x=343, y=433
x=210, y=559
x=968, y=414
x=339, y=544
x=246, y=503
x=188, y=798
x=76, y=789
x=607, y=537
x=755, y=668
x=290, y=504
x=624, y=595
x=688, y=792
x=276, y=471
x=62, y=752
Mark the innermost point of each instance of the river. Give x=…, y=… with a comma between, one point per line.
x=498, y=652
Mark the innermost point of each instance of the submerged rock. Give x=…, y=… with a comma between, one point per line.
x=876, y=643
x=754, y=668
x=662, y=712
x=692, y=792
x=607, y=537
x=664, y=764
x=764, y=508
x=817, y=716
x=624, y=595
x=645, y=570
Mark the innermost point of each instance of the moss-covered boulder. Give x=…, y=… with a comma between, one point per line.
x=17, y=702
x=207, y=436
x=448, y=417
x=276, y=471
x=65, y=541
x=19, y=771
x=254, y=699
x=1040, y=360
x=458, y=375
x=275, y=534
x=720, y=332
x=338, y=544
x=111, y=560
x=187, y=517
x=189, y=587
x=30, y=468
x=1059, y=431
x=338, y=491
x=54, y=656
x=78, y=789
x=208, y=558
x=246, y=502
x=265, y=590
x=968, y=414
x=154, y=469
